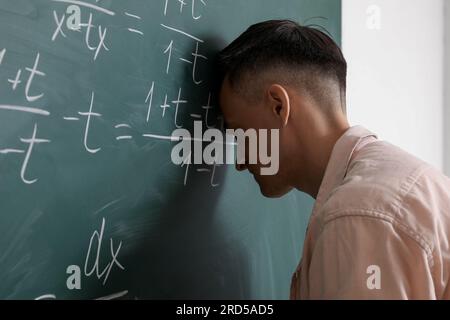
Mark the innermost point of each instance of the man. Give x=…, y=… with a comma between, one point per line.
x=381, y=220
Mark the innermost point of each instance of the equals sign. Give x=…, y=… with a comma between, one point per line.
x=134, y=17
x=123, y=125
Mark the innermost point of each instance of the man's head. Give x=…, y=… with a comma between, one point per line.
x=280, y=75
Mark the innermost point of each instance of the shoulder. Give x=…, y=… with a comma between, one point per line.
x=401, y=192
x=378, y=178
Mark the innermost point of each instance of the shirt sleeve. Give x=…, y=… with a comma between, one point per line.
x=360, y=257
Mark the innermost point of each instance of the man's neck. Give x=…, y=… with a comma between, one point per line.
x=317, y=157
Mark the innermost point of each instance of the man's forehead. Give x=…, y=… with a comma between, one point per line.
x=229, y=101
x=225, y=88
x=227, y=97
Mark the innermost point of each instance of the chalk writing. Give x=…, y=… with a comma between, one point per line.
x=99, y=41
x=95, y=245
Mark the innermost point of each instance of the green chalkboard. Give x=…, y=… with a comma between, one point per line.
x=91, y=204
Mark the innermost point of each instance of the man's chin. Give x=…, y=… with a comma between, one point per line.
x=271, y=193
x=267, y=188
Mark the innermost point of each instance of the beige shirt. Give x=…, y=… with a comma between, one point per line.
x=380, y=226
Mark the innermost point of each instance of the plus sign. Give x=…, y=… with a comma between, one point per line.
x=165, y=106
x=16, y=81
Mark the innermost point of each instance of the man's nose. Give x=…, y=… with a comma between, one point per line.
x=241, y=166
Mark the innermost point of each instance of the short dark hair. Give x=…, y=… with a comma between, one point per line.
x=285, y=43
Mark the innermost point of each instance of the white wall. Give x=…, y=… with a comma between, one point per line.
x=447, y=90
x=395, y=79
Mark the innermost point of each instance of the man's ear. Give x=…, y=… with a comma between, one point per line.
x=280, y=103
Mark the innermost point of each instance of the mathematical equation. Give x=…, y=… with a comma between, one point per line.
x=75, y=17
x=94, y=265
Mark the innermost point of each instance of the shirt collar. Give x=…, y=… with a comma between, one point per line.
x=339, y=161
